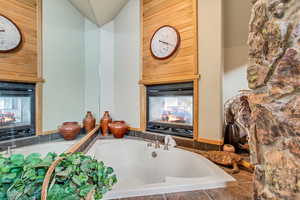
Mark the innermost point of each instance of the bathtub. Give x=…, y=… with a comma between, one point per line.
x=141, y=174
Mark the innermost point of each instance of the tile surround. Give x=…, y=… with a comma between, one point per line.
x=22, y=142
x=184, y=142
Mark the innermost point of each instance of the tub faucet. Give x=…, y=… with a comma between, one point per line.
x=169, y=142
x=9, y=150
x=157, y=145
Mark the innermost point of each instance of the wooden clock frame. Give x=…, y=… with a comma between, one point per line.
x=176, y=47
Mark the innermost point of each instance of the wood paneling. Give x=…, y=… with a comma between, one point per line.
x=22, y=63
x=181, y=14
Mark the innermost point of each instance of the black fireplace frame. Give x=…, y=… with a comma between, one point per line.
x=176, y=89
x=10, y=89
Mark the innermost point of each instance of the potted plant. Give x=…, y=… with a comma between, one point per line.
x=74, y=178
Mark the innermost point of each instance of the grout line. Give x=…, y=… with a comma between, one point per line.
x=165, y=198
x=210, y=198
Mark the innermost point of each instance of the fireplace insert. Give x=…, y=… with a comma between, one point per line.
x=17, y=110
x=170, y=109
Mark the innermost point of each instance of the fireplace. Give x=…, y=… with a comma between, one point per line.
x=170, y=109
x=17, y=110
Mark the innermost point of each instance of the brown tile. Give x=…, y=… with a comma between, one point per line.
x=247, y=187
x=230, y=193
x=184, y=142
x=153, y=197
x=243, y=176
x=194, y=195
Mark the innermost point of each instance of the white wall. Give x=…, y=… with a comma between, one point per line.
x=127, y=64
x=92, y=61
x=63, y=63
x=106, y=68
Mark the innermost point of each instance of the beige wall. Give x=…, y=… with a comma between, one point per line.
x=92, y=60
x=236, y=19
x=127, y=64
x=210, y=68
x=63, y=64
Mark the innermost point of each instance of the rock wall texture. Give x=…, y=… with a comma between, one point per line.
x=274, y=77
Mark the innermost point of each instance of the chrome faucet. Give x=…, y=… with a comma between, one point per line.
x=157, y=145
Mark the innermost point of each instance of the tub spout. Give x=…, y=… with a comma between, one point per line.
x=169, y=141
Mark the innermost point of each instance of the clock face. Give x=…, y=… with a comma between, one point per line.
x=10, y=36
x=165, y=42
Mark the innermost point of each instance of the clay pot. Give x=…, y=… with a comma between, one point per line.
x=105, y=120
x=69, y=130
x=89, y=122
x=118, y=128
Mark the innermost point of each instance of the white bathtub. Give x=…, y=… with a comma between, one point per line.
x=139, y=174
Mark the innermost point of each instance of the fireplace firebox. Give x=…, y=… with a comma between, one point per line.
x=170, y=109
x=17, y=110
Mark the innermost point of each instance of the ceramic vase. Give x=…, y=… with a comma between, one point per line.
x=105, y=120
x=69, y=130
x=118, y=128
x=89, y=122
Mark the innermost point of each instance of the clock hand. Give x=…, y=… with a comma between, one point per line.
x=2, y=30
x=165, y=42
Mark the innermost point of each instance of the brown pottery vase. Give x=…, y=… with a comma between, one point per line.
x=69, y=130
x=105, y=120
x=89, y=122
x=118, y=128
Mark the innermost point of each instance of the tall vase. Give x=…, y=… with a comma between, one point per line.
x=89, y=122
x=105, y=120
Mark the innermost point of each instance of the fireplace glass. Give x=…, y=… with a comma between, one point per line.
x=171, y=109
x=17, y=110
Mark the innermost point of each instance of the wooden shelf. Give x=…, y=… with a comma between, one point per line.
x=177, y=79
x=20, y=79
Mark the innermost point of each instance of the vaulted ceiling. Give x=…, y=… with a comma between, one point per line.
x=99, y=12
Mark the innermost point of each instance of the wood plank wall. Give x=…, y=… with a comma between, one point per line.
x=182, y=14
x=21, y=64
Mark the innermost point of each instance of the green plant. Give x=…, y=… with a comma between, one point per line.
x=78, y=175
x=21, y=178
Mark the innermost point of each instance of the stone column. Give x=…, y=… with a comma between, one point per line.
x=274, y=77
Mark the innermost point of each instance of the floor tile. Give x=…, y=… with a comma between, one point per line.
x=195, y=195
x=153, y=197
x=229, y=193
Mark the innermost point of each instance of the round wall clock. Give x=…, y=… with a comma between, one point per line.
x=10, y=35
x=164, y=42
